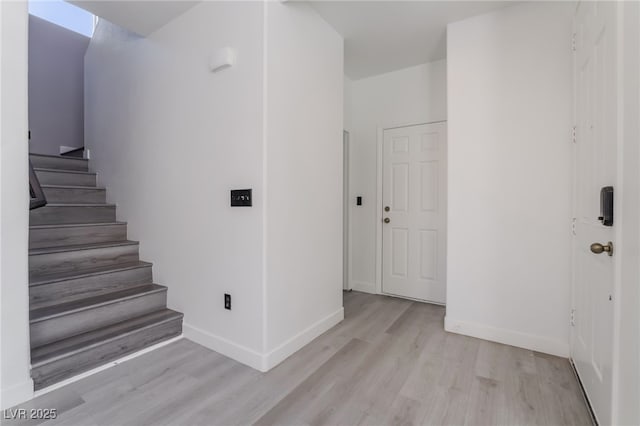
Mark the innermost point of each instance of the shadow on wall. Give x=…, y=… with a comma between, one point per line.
x=56, y=87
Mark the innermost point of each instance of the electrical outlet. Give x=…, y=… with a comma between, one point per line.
x=227, y=301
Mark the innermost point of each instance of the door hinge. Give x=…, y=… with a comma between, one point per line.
x=572, y=320
x=574, y=134
x=573, y=226
x=573, y=42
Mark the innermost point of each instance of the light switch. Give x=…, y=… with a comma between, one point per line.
x=241, y=198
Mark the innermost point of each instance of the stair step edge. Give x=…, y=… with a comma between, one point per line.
x=80, y=247
x=170, y=316
x=75, y=225
x=80, y=205
x=150, y=289
x=59, y=157
x=43, y=280
x=93, y=188
x=79, y=172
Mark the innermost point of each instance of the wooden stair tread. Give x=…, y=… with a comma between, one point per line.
x=92, y=300
x=80, y=205
x=70, y=275
x=79, y=172
x=77, y=247
x=58, y=156
x=75, y=225
x=48, y=312
x=83, y=342
x=93, y=188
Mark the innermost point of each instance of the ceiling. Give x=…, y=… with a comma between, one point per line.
x=384, y=36
x=380, y=36
x=140, y=16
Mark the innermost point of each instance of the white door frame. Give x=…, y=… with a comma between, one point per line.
x=346, y=210
x=379, y=206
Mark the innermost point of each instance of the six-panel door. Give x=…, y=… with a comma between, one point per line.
x=414, y=227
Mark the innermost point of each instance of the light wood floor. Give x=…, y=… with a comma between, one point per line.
x=389, y=362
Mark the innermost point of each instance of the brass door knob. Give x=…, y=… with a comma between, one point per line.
x=387, y=208
x=598, y=248
x=387, y=220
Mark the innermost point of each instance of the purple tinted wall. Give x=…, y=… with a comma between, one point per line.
x=56, y=87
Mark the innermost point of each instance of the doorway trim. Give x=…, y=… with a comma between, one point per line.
x=346, y=210
x=379, y=206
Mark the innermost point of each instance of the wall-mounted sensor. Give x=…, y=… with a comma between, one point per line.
x=222, y=58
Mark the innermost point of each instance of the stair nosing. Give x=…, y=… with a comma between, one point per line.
x=80, y=205
x=44, y=169
x=80, y=247
x=173, y=317
x=58, y=156
x=156, y=288
x=93, y=188
x=77, y=225
x=115, y=268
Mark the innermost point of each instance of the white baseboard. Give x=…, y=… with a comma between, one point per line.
x=508, y=337
x=224, y=346
x=256, y=360
x=363, y=287
x=295, y=343
x=16, y=394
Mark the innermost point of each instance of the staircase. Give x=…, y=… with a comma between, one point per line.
x=91, y=299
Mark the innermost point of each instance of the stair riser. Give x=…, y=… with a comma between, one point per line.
x=80, y=288
x=72, y=324
x=59, y=163
x=75, y=195
x=79, y=260
x=65, y=236
x=49, y=215
x=61, y=178
x=65, y=368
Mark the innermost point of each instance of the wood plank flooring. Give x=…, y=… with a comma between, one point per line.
x=388, y=363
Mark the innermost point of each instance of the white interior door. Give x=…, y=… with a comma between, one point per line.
x=414, y=212
x=596, y=152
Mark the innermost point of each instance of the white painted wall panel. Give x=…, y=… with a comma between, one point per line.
x=304, y=149
x=56, y=87
x=15, y=379
x=509, y=85
x=169, y=139
x=627, y=351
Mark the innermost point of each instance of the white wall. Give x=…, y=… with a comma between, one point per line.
x=347, y=97
x=509, y=118
x=169, y=139
x=627, y=361
x=409, y=96
x=15, y=381
x=56, y=86
x=303, y=139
